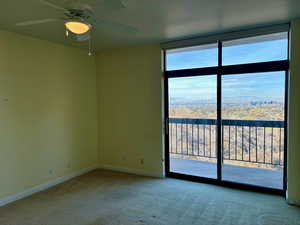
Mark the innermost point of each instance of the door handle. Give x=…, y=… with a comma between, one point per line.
x=167, y=126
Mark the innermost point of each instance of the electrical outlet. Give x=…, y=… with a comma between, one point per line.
x=142, y=161
x=51, y=171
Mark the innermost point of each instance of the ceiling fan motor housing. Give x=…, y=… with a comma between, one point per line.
x=78, y=14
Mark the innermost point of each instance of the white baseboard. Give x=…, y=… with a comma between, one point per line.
x=292, y=201
x=41, y=187
x=131, y=171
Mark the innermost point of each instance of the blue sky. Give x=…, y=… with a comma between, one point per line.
x=256, y=86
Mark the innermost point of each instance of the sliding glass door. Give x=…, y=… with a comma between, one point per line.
x=192, y=125
x=226, y=111
x=253, y=128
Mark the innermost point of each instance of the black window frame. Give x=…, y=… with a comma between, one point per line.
x=220, y=70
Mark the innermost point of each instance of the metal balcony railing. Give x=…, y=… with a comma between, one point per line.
x=251, y=141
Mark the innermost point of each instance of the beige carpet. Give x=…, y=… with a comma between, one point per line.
x=110, y=198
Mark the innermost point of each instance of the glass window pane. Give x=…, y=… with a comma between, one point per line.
x=261, y=48
x=253, y=128
x=256, y=96
x=192, y=125
x=192, y=57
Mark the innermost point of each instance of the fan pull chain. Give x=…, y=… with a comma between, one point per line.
x=90, y=45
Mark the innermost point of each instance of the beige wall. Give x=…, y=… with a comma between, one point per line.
x=48, y=119
x=294, y=117
x=130, y=109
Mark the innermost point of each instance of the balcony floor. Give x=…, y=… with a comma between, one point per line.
x=240, y=174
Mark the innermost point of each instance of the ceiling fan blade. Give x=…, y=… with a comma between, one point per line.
x=53, y=5
x=33, y=22
x=117, y=27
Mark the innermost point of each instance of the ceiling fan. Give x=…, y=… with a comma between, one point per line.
x=79, y=19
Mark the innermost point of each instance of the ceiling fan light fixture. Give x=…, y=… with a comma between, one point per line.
x=77, y=27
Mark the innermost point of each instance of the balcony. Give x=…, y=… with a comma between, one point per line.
x=253, y=150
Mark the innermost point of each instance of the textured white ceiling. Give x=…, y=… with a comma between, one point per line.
x=157, y=20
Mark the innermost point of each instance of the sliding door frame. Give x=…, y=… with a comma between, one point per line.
x=219, y=70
